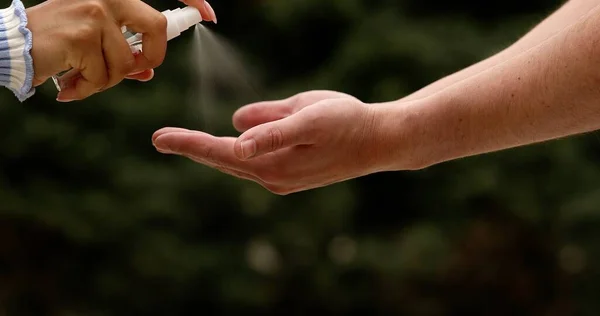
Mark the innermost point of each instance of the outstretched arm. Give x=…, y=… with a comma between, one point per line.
x=565, y=16
x=549, y=91
x=545, y=86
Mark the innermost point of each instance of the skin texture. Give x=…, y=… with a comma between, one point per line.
x=86, y=35
x=543, y=87
x=565, y=16
x=549, y=91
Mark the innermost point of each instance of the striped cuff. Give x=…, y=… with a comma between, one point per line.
x=16, y=64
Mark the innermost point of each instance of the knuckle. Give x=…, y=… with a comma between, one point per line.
x=317, y=125
x=95, y=9
x=274, y=138
x=157, y=27
x=299, y=100
x=159, y=23
x=85, y=35
x=316, y=119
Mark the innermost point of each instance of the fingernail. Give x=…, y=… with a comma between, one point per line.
x=149, y=77
x=64, y=100
x=135, y=73
x=66, y=95
x=212, y=12
x=248, y=148
x=161, y=145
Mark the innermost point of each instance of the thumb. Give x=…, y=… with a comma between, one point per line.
x=269, y=137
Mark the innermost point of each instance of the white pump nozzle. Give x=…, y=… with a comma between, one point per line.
x=181, y=19
x=178, y=20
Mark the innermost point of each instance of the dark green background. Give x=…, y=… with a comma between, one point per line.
x=95, y=222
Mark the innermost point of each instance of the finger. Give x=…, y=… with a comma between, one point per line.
x=142, y=18
x=92, y=76
x=258, y=113
x=143, y=76
x=297, y=129
x=206, y=10
x=166, y=130
x=262, y=112
x=212, y=164
x=207, y=148
x=117, y=53
x=211, y=11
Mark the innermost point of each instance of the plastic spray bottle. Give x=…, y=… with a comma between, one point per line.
x=178, y=20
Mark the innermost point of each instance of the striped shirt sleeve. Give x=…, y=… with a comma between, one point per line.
x=16, y=64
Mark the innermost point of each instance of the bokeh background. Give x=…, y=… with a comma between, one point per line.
x=93, y=221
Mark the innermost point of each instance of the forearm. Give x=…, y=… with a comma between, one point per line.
x=547, y=92
x=565, y=16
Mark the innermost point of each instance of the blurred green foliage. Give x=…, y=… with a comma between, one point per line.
x=96, y=222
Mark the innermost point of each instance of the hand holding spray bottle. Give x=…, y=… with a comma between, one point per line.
x=178, y=20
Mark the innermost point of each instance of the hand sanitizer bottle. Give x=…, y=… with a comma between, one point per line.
x=178, y=20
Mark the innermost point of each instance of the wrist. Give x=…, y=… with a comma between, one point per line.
x=394, y=136
x=16, y=65
x=417, y=134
